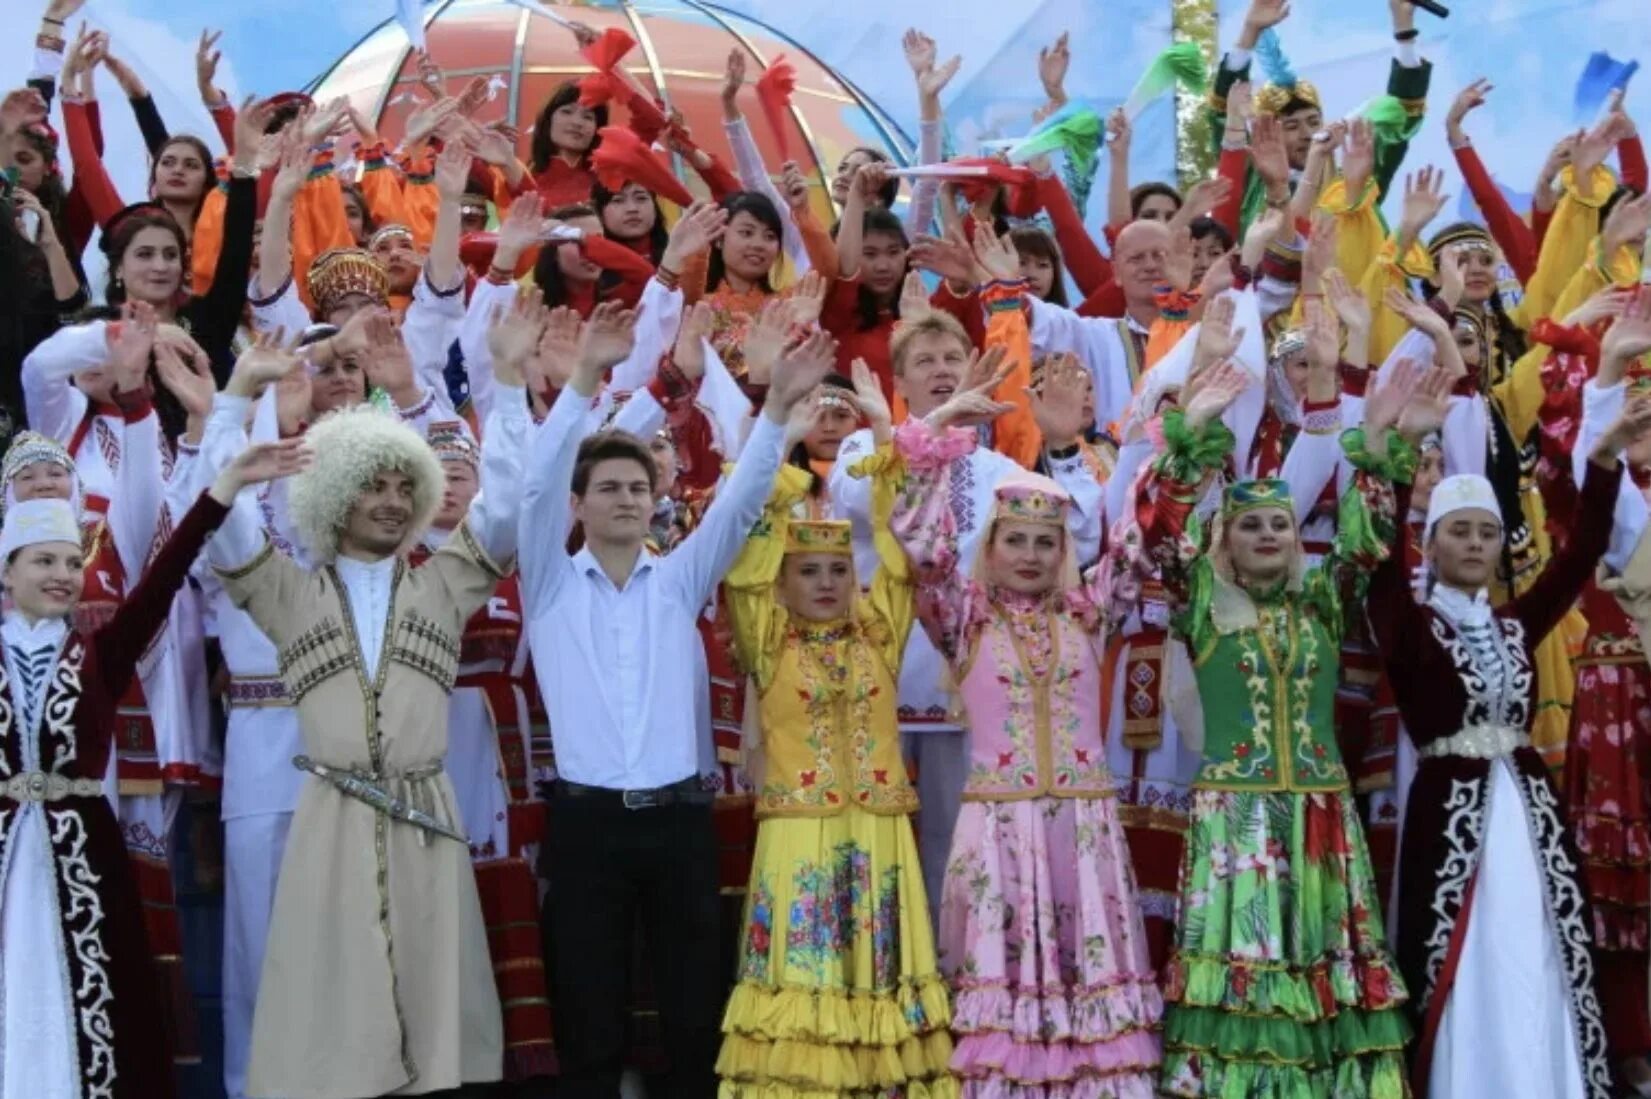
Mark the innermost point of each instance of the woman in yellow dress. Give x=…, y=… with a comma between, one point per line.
x=839, y=991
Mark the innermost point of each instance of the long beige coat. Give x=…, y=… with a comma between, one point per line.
x=376, y=979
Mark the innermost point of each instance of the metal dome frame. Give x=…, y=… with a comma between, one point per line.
x=901, y=147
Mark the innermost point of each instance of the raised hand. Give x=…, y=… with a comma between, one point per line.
x=1265, y=13
x=1429, y=403
x=1053, y=62
x=1383, y=408
x=425, y=118
x=1267, y=153
x=765, y=339
x=1217, y=339
x=513, y=334
x=387, y=362
x=995, y=256
x=1628, y=338
x=131, y=342
x=519, y=230
x=968, y=408
x=1418, y=315
x=351, y=340
x=430, y=74
x=264, y=361
x=453, y=171
x=1358, y=157
x=293, y=162
x=1453, y=275
x=920, y=51
x=261, y=462
x=558, y=352
x=987, y=370
x=606, y=341
x=1323, y=333
x=950, y=257
x=1470, y=98
x=1057, y=405
x=1202, y=197
x=207, y=56
x=1607, y=303
x=21, y=108
x=326, y=120
x=1320, y=254
x=799, y=370
x=1626, y=226
x=868, y=398
x=701, y=226
x=807, y=299
x=1349, y=304
x=733, y=78
x=1178, y=265
x=1630, y=426
x=1424, y=197
x=250, y=123
x=187, y=379
x=793, y=185
x=1118, y=132
x=691, y=334
x=494, y=145
x=914, y=298
x=1217, y=389
x=931, y=83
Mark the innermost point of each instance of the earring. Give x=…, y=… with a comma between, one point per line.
x=116, y=282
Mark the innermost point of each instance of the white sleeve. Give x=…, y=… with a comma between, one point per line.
x=283, y=311
x=920, y=213
x=642, y=415
x=431, y=325
x=661, y=314
x=753, y=175
x=698, y=564
x=851, y=496
x=1601, y=405
x=1313, y=460
x=492, y=517
x=545, y=520
x=478, y=357
x=140, y=494
x=54, y=404
x=432, y=408
x=1131, y=457
x=1084, y=521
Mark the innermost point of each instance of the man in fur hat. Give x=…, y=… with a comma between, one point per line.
x=377, y=978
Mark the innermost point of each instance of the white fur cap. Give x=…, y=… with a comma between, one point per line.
x=352, y=446
x=1460, y=492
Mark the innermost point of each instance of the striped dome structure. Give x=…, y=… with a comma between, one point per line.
x=682, y=50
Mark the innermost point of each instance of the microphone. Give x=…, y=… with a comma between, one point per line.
x=1432, y=6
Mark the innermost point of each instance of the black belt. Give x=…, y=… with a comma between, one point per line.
x=690, y=791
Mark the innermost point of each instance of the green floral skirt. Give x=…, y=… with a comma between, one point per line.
x=1281, y=986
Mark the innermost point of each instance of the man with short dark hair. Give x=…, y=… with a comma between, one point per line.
x=615, y=646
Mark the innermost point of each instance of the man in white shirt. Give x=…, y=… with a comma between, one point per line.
x=614, y=643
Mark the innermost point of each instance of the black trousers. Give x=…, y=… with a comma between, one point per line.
x=608, y=867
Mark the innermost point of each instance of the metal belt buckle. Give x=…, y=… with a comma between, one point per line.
x=639, y=799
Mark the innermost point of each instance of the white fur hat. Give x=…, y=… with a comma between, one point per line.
x=1460, y=492
x=32, y=522
x=352, y=446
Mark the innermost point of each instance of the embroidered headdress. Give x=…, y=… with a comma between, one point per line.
x=452, y=443
x=33, y=522
x=389, y=232
x=1263, y=492
x=1460, y=492
x=819, y=536
x=352, y=446
x=1463, y=234
x=28, y=448
x=341, y=272
x=1030, y=498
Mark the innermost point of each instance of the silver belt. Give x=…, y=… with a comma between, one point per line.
x=1478, y=742
x=370, y=789
x=45, y=786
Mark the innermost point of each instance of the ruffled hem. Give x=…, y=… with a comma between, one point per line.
x=941, y=1088
x=836, y=1069
x=1035, y=1064
x=1236, y=1037
x=1132, y=1085
x=837, y=1016
x=1321, y=991
x=1196, y=1074
x=804, y=1043
x=1096, y=1013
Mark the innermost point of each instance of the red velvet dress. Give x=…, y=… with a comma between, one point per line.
x=121, y=1048
x=1441, y=691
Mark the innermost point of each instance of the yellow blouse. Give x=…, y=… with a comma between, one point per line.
x=826, y=692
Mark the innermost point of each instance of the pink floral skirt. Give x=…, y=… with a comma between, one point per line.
x=1042, y=943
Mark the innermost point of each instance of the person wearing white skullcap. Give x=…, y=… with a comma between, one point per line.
x=78, y=987
x=1488, y=876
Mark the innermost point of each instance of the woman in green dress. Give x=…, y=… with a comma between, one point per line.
x=1280, y=986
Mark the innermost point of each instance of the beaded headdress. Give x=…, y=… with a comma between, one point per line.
x=1464, y=234
x=819, y=536
x=340, y=272
x=452, y=443
x=1287, y=343
x=1263, y=492
x=386, y=232
x=30, y=447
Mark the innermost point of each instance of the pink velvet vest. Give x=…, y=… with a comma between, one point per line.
x=1033, y=737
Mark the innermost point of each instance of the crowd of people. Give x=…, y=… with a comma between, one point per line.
x=933, y=655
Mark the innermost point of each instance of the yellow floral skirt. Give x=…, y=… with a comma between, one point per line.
x=839, y=994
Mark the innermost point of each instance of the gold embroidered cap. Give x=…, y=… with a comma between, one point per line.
x=819, y=536
x=1278, y=98
x=1026, y=497
x=1262, y=492
x=341, y=272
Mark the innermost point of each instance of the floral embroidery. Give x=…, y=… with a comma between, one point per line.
x=759, y=928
